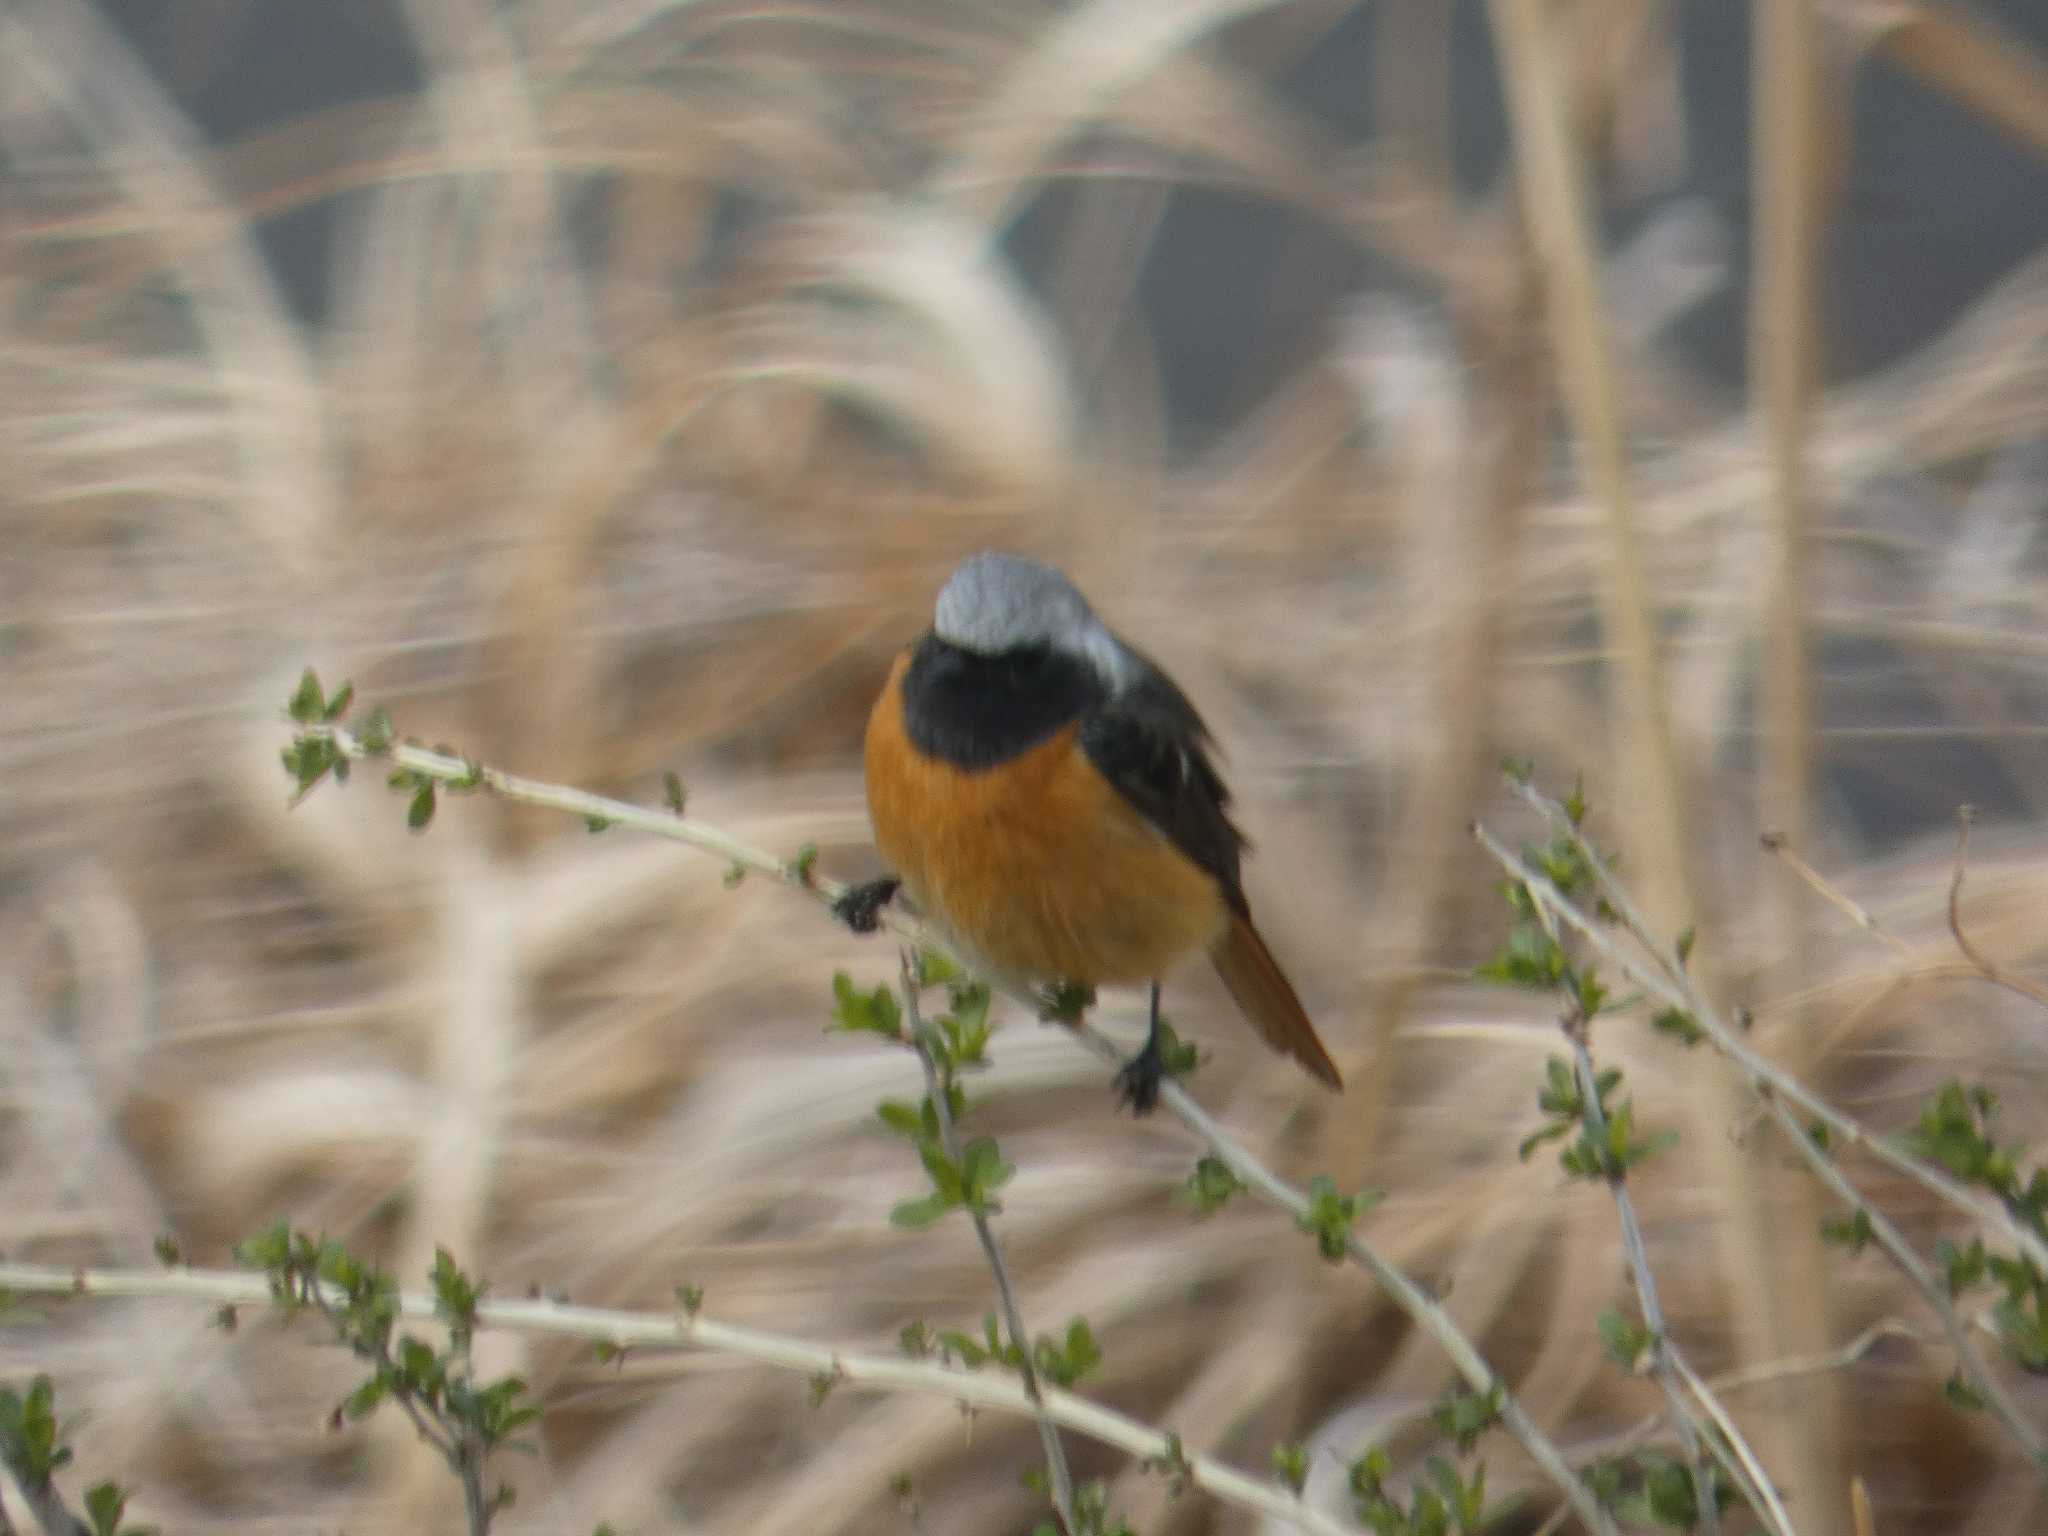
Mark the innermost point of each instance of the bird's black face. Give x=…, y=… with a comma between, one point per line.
x=976, y=711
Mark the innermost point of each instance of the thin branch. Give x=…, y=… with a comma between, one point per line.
x=1888, y=1237
x=1405, y=1294
x=1013, y=1318
x=1668, y=982
x=1778, y=844
x=993, y=1390
x=1752, y=1474
x=443, y=1446
x=1663, y=1352
x=48, y=1506
x=1667, y=979
x=1762, y=1374
x=1996, y=975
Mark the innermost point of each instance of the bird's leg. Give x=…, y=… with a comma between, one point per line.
x=1138, y=1082
x=860, y=906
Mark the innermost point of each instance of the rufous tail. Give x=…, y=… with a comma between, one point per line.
x=1267, y=997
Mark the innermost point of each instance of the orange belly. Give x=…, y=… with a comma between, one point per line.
x=1038, y=867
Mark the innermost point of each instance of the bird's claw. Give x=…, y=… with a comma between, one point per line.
x=1138, y=1083
x=860, y=906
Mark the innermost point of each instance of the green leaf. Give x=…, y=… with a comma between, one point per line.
x=1668, y=1487
x=596, y=824
x=858, y=1012
x=1530, y=959
x=915, y=1215
x=934, y=969
x=982, y=1172
x=1963, y=1268
x=364, y=1400
x=901, y=1118
x=1464, y=1415
x=337, y=706
x=1210, y=1186
x=1290, y=1465
x=966, y=1029
x=421, y=811
x=1961, y=1393
x=377, y=733
x=672, y=791
x=307, y=703
x=1065, y=1363
x=455, y=1295
x=1851, y=1232
x=268, y=1249
x=1575, y=803
x=105, y=1503
x=690, y=1298
x=1679, y=1025
x=1179, y=1057
x=1330, y=1215
x=167, y=1251
x=1629, y=1344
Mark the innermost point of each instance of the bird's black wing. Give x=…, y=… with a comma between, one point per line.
x=1151, y=744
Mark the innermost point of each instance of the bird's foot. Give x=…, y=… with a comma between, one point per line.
x=1138, y=1083
x=860, y=906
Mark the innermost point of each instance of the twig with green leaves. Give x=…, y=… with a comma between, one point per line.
x=1954, y=1130
x=464, y=1422
x=943, y=1365
x=963, y=1176
x=323, y=745
x=32, y=1448
x=1601, y=1144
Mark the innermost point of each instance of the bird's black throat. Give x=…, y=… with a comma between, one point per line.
x=976, y=711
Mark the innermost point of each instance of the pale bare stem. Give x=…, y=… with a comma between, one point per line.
x=1888, y=1237
x=1662, y=1350
x=469, y=1466
x=1992, y=973
x=1409, y=1297
x=1748, y=1470
x=1061, y=1478
x=1405, y=1293
x=47, y=1505
x=444, y=1445
x=6, y=1524
x=1659, y=974
x=1777, y=843
x=1763, y=1373
x=993, y=1391
x=1668, y=981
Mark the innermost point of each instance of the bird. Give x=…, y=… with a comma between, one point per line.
x=1045, y=793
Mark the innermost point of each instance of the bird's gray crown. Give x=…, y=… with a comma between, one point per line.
x=996, y=602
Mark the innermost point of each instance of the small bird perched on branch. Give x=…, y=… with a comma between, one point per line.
x=1044, y=793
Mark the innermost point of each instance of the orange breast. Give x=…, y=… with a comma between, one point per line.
x=1037, y=865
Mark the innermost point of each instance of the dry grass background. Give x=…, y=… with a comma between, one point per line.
x=669, y=355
